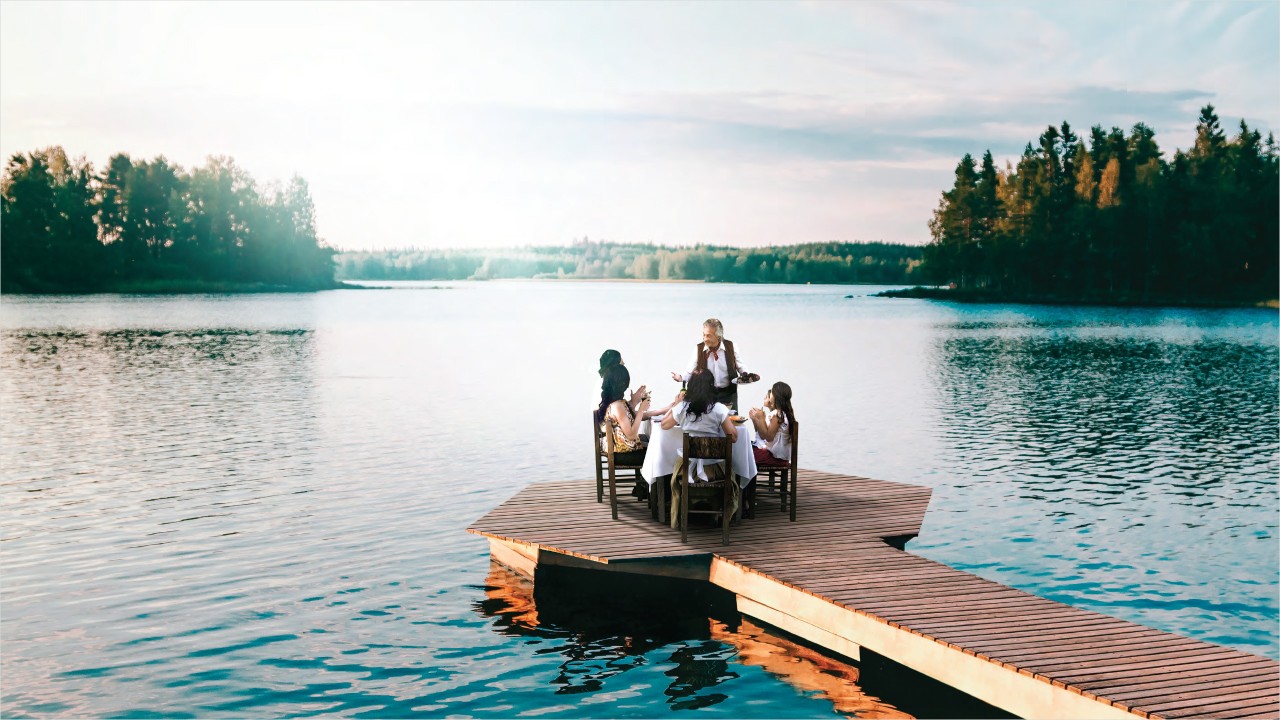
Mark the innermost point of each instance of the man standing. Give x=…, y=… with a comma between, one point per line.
x=718, y=356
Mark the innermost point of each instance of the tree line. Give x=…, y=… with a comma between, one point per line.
x=150, y=224
x=883, y=263
x=1111, y=219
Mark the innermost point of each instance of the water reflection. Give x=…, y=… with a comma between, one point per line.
x=1102, y=449
x=142, y=472
x=804, y=668
x=1104, y=418
x=602, y=626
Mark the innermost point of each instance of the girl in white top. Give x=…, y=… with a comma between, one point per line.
x=773, y=426
x=700, y=415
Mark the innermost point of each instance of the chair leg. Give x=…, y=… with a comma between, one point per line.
x=599, y=487
x=724, y=512
x=613, y=494
x=660, y=489
x=782, y=491
x=684, y=508
x=793, y=494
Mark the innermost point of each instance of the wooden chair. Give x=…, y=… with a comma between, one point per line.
x=706, y=448
x=787, y=471
x=607, y=465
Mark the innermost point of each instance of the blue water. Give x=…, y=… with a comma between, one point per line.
x=239, y=506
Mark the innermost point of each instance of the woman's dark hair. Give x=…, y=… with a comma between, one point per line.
x=616, y=381
x=782, y=403
x=700, y=393
x=608, y=359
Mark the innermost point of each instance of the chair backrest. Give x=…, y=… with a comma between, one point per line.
x=795, y=445
x=610, y=440
x=708, y=449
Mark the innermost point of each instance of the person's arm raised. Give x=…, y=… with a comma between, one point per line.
x=693, y=365
x=636, y=396
x=664, y=410
x=670, y=420
x=638, y=418
x=771, y=428
x=618, y=411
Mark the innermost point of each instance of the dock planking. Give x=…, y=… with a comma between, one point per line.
x=833, y=579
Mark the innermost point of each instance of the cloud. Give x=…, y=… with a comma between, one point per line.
x=765, y=127
x=440, y=123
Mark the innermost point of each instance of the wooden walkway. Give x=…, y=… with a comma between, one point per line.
x=831, y=578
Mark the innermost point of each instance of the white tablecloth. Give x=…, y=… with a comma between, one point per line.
x=667, y=445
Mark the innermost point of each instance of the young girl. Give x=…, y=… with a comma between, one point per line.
x=699, y=414
x=774, y=428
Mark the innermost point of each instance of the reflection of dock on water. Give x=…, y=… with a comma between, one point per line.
x=834, y=579
x=598, y=644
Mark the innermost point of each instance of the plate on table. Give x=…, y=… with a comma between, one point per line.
x=737, y=419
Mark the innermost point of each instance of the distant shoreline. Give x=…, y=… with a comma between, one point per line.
x=186, y=287
x=540, y=279
x=668, y=281
x=984, y=297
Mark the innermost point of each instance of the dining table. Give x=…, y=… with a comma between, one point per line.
x=667, y=445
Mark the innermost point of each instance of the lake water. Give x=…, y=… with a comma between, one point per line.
x=255, y=505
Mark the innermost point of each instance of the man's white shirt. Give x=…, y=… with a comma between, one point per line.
x=719, y=366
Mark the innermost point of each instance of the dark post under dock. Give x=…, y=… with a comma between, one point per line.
x=835, y=578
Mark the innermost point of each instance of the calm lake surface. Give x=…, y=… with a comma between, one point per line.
x=255, y=505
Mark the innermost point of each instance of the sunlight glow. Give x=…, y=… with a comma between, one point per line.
x=450, y=124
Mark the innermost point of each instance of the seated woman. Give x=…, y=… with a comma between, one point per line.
x=610, y=358
x=701, y=416
x=622, y=418
x=773, y=426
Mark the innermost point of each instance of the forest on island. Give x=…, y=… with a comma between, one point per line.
x=1111, y=219
x=882, y=263
x=150, y=225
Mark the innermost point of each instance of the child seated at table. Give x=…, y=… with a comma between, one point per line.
x=700, y=416
x=773, y=426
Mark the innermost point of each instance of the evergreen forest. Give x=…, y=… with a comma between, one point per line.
x=1111, y=220
x=1105, y=218
x=151, y=226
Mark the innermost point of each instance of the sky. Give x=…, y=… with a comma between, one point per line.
x=504, y=124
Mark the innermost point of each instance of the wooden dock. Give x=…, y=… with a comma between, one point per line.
x=834, y=579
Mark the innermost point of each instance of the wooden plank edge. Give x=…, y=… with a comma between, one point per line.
x=1022, y=693
x=785, y=621
x=509, y=540
x=523, y=560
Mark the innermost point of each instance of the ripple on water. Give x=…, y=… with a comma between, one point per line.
x=1135, y=435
